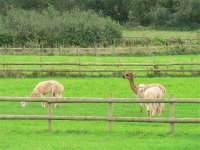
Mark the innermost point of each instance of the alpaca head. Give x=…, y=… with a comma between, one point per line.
x=128, y=75
x=141, y=87
x=24, y=104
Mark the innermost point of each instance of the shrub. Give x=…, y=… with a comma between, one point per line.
x=50, y=28
x=6, y=39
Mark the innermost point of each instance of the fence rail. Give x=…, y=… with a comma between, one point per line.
x=97, y=64
x=99, y=100
x=108, y=118
x=101, y=118
x=81, y=67
x=93, y=48
x=94, y=51
x=96, y=70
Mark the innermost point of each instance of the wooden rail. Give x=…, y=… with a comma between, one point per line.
x=109, y=118
x=99, y=100
x=94, y=48
x=100, y=118
x=154, y=66
x=97, y=64
x=94, y=51
x=95, y=70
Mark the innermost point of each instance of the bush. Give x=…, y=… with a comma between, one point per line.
x=51, y=28
x=6, y=39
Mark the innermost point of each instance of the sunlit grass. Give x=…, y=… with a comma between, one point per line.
x=94, y=135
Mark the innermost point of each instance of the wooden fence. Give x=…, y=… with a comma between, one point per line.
x=117, y=65
x=136, y=50
x=97, y=64
x=108, y=118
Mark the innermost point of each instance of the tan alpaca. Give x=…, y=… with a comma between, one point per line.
x=160, y=108
x=152, y=93
x=51, y=87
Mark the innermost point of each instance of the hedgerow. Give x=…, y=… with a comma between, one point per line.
x=51, y=28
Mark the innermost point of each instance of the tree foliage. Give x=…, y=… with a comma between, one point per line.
x=178, y=13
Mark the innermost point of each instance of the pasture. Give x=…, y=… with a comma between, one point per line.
x=105, y=59
x=159, y=34
x=97, y=50
x=94, y=135
x=33, y=134
x=98, y=59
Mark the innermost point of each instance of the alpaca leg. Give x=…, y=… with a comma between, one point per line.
x=141, y=107
x=61, y=104
x=155, y=106
x=153, y=109
x=56, y=104
x=51, y=95
x=159, y=109
x=43, y=103
x=149, y=109
x=152, y=112
x=162, y=108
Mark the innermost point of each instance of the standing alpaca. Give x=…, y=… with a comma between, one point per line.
x=151, y=93
x=51, y=87
x=155, y=93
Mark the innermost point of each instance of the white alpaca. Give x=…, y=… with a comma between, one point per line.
x=160, y=91
x=152, y=92
x=51, y=87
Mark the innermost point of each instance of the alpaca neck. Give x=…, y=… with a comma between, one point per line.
x=133, y=87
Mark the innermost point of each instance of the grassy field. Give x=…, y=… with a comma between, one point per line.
x=25, y=135
x=104, y=59
x=159, y=34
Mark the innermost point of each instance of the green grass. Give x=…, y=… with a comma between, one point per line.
x=159, y=34
x=104, y=59
x=25, y=135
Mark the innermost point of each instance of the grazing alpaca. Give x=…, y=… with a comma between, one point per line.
x=51, y=87
x=158, y=92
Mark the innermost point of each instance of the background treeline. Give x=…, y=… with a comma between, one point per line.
x=88, y=23
x=182, y=14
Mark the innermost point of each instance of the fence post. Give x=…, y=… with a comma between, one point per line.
x=4, y=60
x=118, y=59
x=59, y=51
x=171, y=113
x=79, y=62
x=41, y=50
x=110, y=114
x=49, y=115
x=5, y=50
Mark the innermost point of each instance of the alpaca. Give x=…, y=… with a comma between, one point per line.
x=51, y=87
x=152, y=93
x=135, y=89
